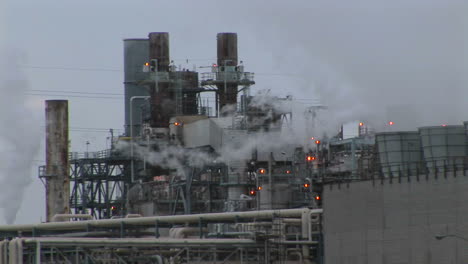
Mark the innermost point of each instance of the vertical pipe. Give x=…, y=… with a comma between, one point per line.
x=58, y=180
x=270, y=182
x=227, y=57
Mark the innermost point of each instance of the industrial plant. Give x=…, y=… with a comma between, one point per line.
x=209, y=171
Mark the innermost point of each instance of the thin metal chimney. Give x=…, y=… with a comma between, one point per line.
x=57, y=167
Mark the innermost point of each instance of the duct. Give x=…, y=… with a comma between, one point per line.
x=59, y=217
x=172, y=219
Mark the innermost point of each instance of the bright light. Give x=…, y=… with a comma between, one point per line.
x=113, y=208
x=317, y=197
x=361, y=123
x=288, y=172
x=317, y=142
x=259, y=188
x=306, y=185
x=147, y=64
x=444, y=125
x=312, y=138
x=177, y=124
x=261, y=171
x=252, y=192
x=391, y=123
x=310, y=158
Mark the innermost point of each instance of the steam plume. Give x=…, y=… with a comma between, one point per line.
x=19, y=136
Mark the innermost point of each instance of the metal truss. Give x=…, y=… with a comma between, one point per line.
x=99, y=186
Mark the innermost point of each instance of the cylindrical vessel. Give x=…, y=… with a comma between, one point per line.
x=136, y=54
x=163, y=105
x=399, y=153
x=444, y=147
x=57, y=173
x=159, y=49
x=227, y=59
x=227, y=49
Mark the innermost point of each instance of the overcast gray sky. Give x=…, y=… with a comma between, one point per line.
x=366, y=59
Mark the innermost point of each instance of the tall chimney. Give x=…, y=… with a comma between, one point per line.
x=162, y=98
x=57, y=167
x=227, y=56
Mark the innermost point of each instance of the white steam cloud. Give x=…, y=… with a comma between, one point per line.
x=375, y=61
x=19, y=136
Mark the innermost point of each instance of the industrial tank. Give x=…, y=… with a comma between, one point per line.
x=399, y=153
x=136, y=54
x=444, y=147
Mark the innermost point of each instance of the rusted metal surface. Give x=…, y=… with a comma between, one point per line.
x=162, y=98
x=57, y=173
x=159, y=49
x=227, y=49
x=227, y=56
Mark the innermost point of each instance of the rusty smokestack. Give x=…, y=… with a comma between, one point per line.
x=162, y=98
x=159, y=49
x=57, y=167
x=227, y=56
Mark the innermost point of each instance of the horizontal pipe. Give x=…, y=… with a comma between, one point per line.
x=150, y=221
x=83, y=242
x=294, y=242
x=59, y=217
